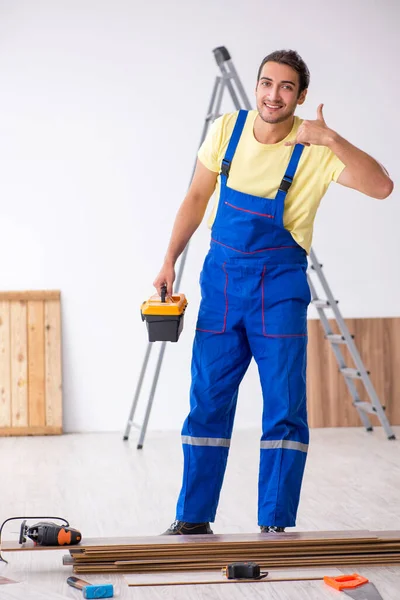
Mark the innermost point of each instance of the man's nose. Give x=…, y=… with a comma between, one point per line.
x=274, y=93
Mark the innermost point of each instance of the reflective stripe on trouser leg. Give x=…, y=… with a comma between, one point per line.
x=277, y=332
x=204, y=468
x=218, y=365
x=284, y=444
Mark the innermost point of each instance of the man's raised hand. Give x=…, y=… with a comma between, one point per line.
x=315, y=133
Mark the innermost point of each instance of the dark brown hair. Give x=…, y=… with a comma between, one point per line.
x=292, y=59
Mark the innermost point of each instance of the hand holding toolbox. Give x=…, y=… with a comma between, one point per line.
x=355, y=586
x=164, y=316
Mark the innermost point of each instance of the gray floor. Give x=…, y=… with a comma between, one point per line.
x=105, y=487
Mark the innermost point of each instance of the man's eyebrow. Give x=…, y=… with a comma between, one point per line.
x=284, y=81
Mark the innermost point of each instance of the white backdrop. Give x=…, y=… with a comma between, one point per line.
x=102, y=105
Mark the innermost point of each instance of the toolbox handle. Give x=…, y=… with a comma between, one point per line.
x=163, y=292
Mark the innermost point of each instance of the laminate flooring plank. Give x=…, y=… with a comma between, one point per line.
x=186, y=543
x=204, y=577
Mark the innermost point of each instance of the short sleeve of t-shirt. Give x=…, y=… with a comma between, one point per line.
x=330, y=165
x=208, y=153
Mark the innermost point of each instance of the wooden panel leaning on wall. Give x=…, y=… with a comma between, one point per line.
x=30, y=363
x=329, y=401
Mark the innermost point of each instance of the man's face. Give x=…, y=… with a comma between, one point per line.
x=277, y=92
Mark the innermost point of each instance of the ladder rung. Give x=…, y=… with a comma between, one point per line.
x=133, y=424
x=321, y=303
x=351, y=373
x=336, y=338
x=366, y=407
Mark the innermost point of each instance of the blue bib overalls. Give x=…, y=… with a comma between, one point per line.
x=254, y=302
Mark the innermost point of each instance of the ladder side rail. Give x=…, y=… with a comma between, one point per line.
x=137, y=392
x=338, y=317
x=151, y=396
x=212, y=112
x=245, y=100
x=341, y=362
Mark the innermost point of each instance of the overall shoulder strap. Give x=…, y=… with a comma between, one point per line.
x=290, y=171
x=233, y=142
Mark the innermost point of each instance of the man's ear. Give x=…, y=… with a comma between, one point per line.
x=302, y=97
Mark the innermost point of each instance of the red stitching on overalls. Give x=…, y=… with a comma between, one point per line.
x=226, y=306
x=250, y=211
x=271, y=335
x=254, y=251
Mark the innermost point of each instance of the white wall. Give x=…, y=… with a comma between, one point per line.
x=101, y=109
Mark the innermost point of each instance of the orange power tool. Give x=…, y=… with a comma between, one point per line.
x=46, y=533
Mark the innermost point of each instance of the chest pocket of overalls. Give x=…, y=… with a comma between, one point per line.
x=246, y=223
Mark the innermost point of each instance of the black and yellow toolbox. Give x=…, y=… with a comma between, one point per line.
x=164, y=316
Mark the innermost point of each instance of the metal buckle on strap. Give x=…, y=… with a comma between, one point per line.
x=225, y=167
x=285, y=184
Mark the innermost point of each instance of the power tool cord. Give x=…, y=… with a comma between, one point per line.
x=22, y=519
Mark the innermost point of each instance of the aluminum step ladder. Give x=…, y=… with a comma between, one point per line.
x=373, y=407
x=229, y=80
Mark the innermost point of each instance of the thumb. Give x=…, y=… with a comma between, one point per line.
x=291, y=143
x=320, y=116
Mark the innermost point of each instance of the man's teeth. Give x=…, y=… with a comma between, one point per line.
x=270, y=106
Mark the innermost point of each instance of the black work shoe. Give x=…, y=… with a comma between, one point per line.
x=271, y=529
x=183, y=528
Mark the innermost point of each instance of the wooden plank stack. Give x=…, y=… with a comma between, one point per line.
x=30, y=363
x=203, y=553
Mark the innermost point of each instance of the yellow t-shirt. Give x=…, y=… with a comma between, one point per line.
x=258, y=169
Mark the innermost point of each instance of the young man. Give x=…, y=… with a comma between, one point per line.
x=270, y=170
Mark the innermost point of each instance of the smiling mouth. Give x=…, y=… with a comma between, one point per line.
x=272, y=106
